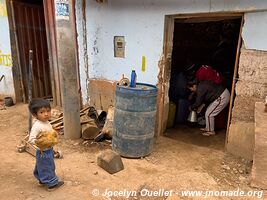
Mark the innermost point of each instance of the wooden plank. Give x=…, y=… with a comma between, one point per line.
x=85, y=109
x=204, y=17
x=49, y=13
x=232, y=92
x=164, y=77
x=16, y=69
x=68, y=75
x=31, y=149
x=259, y=172
x=82, y=112
x=50, y=54
x=36, y=46
x=102, y=93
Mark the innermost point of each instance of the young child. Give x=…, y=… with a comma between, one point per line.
x=44, y=170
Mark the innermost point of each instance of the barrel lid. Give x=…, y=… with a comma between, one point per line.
x=142, y=88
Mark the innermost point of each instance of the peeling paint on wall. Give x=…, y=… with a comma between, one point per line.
x=95, y=42
x=5, y=59
x=6, y=84
x=85, y=55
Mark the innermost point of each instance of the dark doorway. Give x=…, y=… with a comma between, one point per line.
x=209, y=41
x=30, y=34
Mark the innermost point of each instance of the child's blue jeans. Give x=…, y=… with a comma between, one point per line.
x=44, y=169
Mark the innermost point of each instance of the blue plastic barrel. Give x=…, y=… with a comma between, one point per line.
x=134, y=120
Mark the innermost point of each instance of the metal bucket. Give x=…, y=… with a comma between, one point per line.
x=192, y=116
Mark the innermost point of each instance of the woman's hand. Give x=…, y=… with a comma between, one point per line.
x=199, y=109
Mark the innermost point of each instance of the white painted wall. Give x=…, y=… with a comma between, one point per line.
x=6, y=85
x=142, y=24
x=255, y=31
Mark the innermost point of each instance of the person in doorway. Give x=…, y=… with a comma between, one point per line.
x=44, y=170
x=203, y=73
x=215, y=96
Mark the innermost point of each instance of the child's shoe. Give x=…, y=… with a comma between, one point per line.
x=40, y=183
x=203, y=129
x=58, y=154
x=60, y=183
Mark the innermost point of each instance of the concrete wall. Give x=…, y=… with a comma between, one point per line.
x=241, y=139
x=142, y=25
x=251, y=87
x=6, y=84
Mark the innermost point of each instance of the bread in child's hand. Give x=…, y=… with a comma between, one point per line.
x=46, y=139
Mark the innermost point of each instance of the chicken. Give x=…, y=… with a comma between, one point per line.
x=45, y=140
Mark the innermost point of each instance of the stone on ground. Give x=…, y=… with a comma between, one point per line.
x=110, y=161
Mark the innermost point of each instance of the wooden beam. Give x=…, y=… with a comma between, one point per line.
x=67, y=62
x=16, y=68
x=49, y=13
x=234, y=81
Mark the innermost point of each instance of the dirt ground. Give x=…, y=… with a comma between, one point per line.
x=182, y=160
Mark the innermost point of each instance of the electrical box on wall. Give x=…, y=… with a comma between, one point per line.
x=119, y=46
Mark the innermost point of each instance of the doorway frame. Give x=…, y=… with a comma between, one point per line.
x=165, y=66
x=48, y=7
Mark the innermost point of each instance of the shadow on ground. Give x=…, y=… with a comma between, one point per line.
x=192, y=135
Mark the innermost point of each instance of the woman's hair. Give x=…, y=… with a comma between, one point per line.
x=192, y=82
x=37, y=104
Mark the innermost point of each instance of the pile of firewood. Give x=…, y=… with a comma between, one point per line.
x=89, y=126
